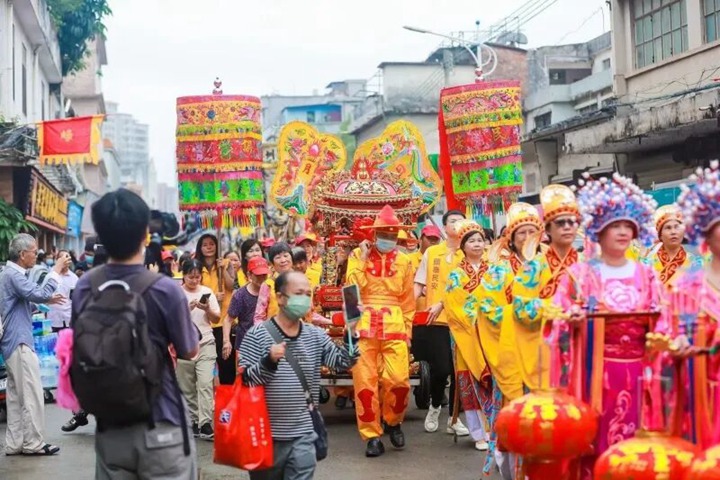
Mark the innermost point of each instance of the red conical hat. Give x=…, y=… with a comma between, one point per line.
x=387, y=220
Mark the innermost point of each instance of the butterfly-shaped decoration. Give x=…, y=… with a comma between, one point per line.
x=305, y=157
x=400, y=149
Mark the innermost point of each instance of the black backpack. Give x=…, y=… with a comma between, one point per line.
x=116, y=369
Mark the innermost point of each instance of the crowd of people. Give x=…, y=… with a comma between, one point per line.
x=493, y=318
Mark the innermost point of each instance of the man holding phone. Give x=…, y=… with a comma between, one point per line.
x=384, y=277
x=59, y=313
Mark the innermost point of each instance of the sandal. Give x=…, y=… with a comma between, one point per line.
x=46, y=451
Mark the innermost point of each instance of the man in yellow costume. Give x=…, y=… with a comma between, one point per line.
x=432, y=341
x=670, y=256
x=384, y=276
x=535, y=283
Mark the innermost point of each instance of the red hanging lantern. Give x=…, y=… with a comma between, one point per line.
x=706, y=465
x=547, y=428
x=647, y=456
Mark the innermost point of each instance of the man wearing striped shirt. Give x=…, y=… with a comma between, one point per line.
x=265, y=364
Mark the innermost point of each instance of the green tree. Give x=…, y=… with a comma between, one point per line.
x=77, y=22
x=12, y=222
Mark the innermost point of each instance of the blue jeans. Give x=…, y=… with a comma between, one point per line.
x=292, y=460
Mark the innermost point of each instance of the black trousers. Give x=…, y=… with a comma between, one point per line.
x=432, y=344
x=226, y=368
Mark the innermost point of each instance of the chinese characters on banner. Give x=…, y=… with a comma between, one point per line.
x=46, y=207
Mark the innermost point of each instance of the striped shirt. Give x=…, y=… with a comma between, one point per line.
x=312, y=347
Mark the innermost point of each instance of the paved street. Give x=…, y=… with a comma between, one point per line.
x=426, y=456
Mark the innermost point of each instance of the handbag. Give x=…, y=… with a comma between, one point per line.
x=242, y=427
x=321, y=442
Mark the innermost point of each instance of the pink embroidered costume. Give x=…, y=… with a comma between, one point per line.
x=608, y=354
x=612, y=350
x=695, y=309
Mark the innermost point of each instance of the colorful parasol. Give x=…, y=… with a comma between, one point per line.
x=400, y=150
x=219, y=160
x=306, y=156
x=480, y=137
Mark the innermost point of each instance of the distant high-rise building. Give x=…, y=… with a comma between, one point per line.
x=167, y=198
x=130, y=139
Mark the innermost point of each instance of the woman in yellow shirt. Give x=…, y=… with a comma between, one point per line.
x=214, y=272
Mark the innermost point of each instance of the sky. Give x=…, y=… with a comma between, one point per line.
x=159, y=50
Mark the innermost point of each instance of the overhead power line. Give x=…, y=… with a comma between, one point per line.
x=520, y=17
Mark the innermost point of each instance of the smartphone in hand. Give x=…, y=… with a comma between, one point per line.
x=351, y=303
x=204, y=299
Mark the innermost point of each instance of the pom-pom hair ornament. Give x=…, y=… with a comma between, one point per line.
x=605, y=201
x=700, y=203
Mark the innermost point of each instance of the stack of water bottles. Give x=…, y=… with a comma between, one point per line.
x=45, y=342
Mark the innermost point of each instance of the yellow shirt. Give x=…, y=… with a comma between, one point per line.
x=241, y=278
x=273, y=308
x=313, y=273
x=437, y=263
x=386, y=291
x=211, y=280
x=415, y=259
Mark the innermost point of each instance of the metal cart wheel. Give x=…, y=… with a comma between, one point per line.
x=324, y=395
x=422, y=391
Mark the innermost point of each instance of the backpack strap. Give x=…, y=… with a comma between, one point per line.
x=98, y=276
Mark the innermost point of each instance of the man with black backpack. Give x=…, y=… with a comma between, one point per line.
x=124, y=318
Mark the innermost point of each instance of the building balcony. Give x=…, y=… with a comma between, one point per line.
x=589, y=86
x=547, y=96
x=38, y=26
x=570, y=93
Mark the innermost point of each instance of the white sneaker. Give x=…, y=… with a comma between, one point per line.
x=432, y=420
x=458, y=429
x=481, y=445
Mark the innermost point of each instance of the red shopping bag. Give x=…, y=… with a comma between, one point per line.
x=242, y=427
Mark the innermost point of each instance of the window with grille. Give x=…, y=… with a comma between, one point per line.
x=711, y=11
x=660, y=30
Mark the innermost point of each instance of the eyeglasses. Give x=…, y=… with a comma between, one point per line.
x=32, y=252
x=562, y=222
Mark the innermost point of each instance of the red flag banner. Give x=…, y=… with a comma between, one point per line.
x=70, y=140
